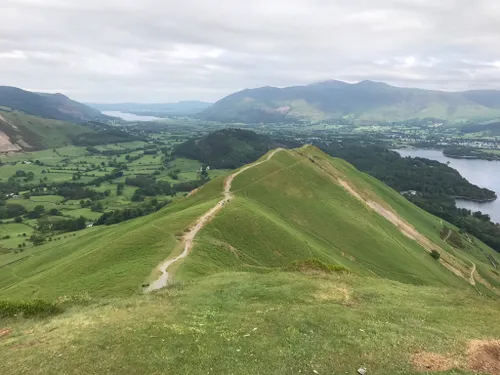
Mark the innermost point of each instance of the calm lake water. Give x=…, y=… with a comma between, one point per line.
x=483, y=173
x=130, y=116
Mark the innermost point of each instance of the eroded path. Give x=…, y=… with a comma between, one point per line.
x=188, y=239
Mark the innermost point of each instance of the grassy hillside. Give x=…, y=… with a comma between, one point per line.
x=276, y=323
x=52, y=106
x=104, y=261
x=290, y=208
x=248, y=298
x=365, y=102
x=31, y=132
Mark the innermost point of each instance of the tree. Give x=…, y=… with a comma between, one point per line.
x=18, y=219
x=37, y=239
x=119, y=189
x=14, y=209
x=435, y=254
x=96, y=207
x=37, y=212
x=174, y=175
x=54, y=212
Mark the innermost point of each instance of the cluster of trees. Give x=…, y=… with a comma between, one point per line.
x=227, y=148
x=15, y=210
x=468, y=153
x=436, y=185
x=27, y=176
x=104, y=137
x=46, y=224
x=12, y=210
x=189, y=185
x=118, y=216
x=77, y=192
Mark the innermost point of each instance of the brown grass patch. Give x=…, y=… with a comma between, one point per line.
x=426, y=361
x=5, y=331
x=192, y=192
x=484, y=356
x=333, y=293
x=26, y=345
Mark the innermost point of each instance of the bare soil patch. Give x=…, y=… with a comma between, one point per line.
x=5, y=331
x=484, y=356
x=427, y=361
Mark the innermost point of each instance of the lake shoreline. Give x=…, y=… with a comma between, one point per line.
x=480, y=172
x=475, y=200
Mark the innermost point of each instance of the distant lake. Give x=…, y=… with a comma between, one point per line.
x=130, y=116
x=482, y=173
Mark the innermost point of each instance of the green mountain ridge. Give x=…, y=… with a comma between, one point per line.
x=20, y=131
x=50, y=106
x=30, y=120
x=365, y=101
x=308, y=266
x=293, y=207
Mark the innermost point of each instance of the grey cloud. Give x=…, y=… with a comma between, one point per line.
x=164, y=50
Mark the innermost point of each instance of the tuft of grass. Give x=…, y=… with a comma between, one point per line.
x=30, y=308
x=315, y=265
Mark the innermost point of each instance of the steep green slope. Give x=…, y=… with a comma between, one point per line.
x=31, y=132
x=105, y=261
x=299, y=204
x=53, y=106
x=364, y=101
x=293, y=208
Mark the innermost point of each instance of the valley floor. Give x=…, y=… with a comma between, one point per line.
x=273, y=323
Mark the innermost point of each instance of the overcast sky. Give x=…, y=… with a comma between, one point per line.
x=170, y=50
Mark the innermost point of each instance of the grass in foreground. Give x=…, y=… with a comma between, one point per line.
x=247, y=323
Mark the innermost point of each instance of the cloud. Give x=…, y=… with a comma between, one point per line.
x=167, y=50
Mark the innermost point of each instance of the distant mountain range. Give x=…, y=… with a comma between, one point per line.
x=365, y=101
x=183, y=108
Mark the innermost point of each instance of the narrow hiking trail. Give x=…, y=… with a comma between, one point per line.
x=188, y=239
x=472, y=281
x=448, y=235
x=471, y=277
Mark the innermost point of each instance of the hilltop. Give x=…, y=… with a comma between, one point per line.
x=228, y=148
x=295, y=263
x=365, y=101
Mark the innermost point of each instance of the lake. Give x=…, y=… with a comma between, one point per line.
x=483, y=173
x=130, y=116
